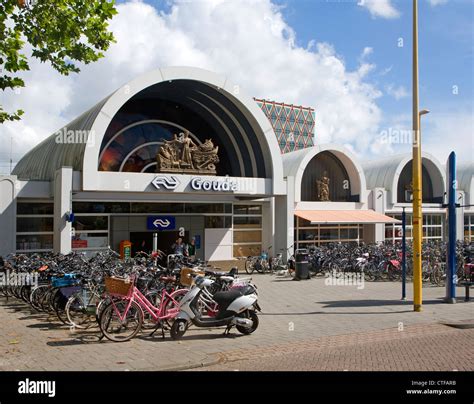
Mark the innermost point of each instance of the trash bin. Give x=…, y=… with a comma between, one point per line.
x=301, y=264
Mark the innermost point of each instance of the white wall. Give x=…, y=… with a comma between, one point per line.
x=7, y=214
x=218, y=244
x=62, y=205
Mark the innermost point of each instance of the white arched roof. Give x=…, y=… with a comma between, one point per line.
x=248, y=107
x=465, y=178
x=295, y=163
x=384, y=173
x=43, y=160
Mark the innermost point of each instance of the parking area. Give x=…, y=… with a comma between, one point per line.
x=294, y=314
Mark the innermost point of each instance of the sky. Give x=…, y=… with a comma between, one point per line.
x=351, y=60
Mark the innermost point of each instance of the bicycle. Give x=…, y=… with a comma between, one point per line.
x=123, y=318
x=260, y=263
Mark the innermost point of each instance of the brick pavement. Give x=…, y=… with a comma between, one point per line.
x=429, y=347
x=292, y=312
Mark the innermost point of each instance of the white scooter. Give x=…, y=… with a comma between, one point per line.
x=235, y=309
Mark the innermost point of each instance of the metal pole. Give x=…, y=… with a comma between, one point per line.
x=451, y=270
x=11, y=154
x=417, y=184
x=404, y=256
x=155, y=242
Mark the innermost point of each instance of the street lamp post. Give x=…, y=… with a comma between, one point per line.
x=416, y=180
x=417, y=214
x=404, y=255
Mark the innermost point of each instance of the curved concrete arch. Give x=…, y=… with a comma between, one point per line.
x=246, y=105
x=295, y=163
x=226, y=129
x=434, y=168
x=385, y=173
x=465, y=177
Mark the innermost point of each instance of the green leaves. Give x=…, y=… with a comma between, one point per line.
x=60, y=32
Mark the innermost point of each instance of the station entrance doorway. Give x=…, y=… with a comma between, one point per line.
x=143, y=241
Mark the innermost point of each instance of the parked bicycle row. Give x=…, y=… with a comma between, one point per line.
x=123, y=298
x=382, y=261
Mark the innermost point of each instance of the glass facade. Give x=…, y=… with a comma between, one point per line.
x=247, y=231
x=90, y=232
x=34, y=226
x=469, y=227
x=34, y=242
x=307, y=234
x=432, y=227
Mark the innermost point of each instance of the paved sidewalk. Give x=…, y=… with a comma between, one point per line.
x=292, y=312
x=430, y=347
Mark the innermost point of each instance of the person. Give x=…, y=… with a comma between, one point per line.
x=178, y=247
x=192, y=248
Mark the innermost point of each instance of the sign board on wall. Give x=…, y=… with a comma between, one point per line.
x=160, y=222
x=79, y=243
x=197, y=241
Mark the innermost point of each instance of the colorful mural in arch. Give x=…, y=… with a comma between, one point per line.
x=293, y=125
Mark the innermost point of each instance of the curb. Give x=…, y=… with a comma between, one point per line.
x=210, y=360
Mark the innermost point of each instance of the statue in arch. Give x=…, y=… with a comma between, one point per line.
x=323, y=188
x=182, y=155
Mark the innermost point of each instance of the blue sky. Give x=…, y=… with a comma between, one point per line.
x=445, y=45
x=446, y=64
x=339, y=56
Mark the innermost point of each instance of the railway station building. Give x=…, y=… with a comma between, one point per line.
x=183, y=152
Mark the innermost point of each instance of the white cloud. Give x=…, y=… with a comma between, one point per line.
x=441, y=133
x=386, y=71
x=247, y=40
x=380, y=8
x=366, y=52
x=397, y=92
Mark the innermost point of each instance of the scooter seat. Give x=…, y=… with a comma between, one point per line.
x=224, y=299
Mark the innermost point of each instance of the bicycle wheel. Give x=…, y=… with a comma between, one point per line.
x=78, y=313
x=36, y=297
x=4, y=291
x=59, y=302
x=249, y=265
x=25, y=293
x=260, y=265
x=119, y=329
x=45, y=301
x=437, y=277
x=425, y=272
x=369, y=272
x=172, y=303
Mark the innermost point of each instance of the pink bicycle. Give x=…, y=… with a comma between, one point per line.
x=123, y=317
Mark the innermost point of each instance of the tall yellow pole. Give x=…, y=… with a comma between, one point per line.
x=417, y=184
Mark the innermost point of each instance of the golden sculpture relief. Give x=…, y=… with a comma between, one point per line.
x=182, y=155
x=323, y=188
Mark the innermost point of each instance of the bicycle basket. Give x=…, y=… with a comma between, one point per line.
x=185, y=277
x=118, y=286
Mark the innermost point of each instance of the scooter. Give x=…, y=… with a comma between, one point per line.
x=234, y=310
